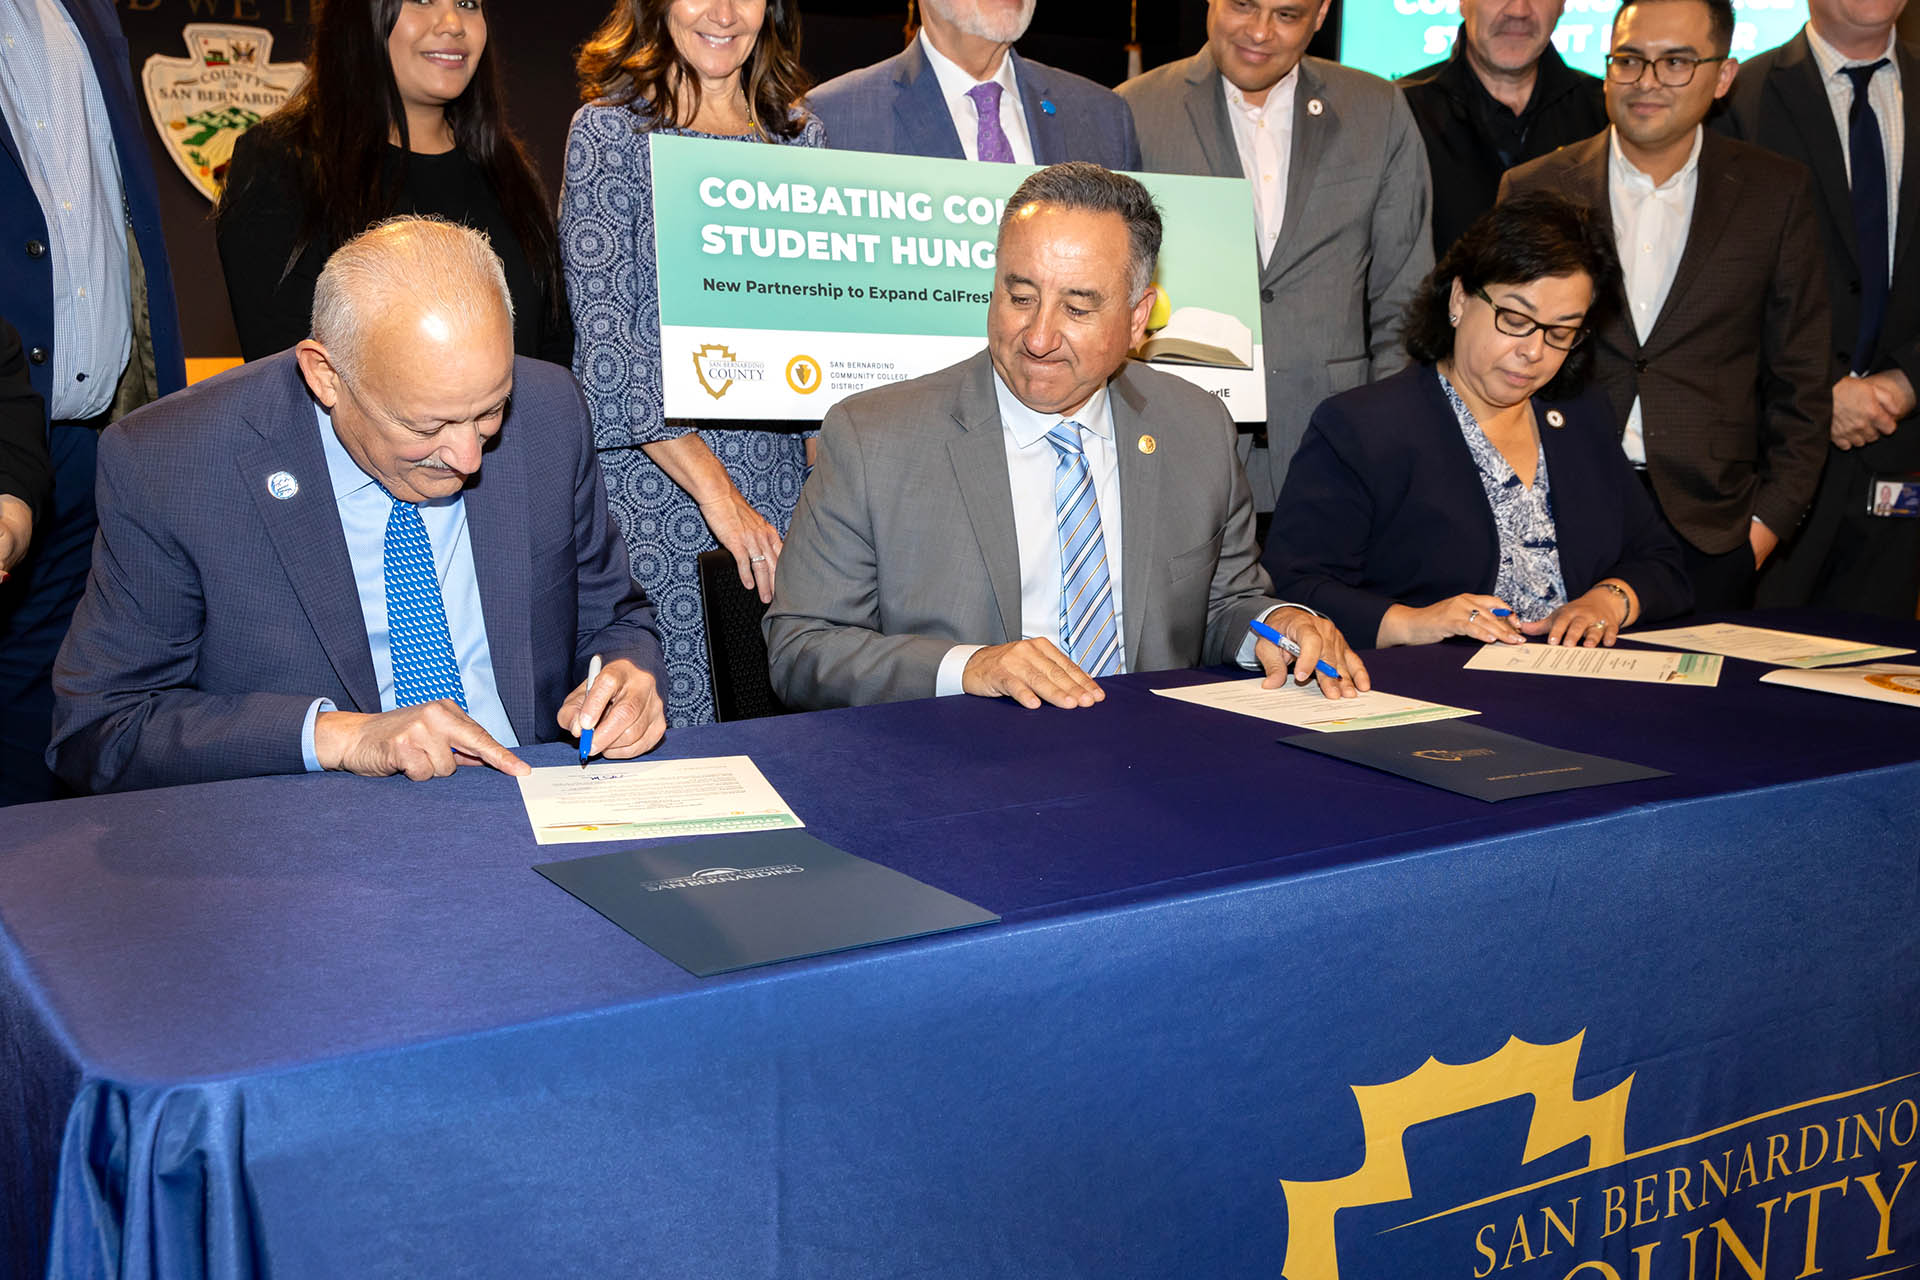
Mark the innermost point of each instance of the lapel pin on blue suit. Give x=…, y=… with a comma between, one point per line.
x=1315, y=106
x=1555, y=418
x=282, y=485
x=1046, y=106
x=1148, y=444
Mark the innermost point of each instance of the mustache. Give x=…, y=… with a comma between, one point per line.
x=1516, y=27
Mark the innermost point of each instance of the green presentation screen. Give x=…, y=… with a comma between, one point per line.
x=1395, y=37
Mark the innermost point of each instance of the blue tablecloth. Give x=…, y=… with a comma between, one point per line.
x=328, y=1026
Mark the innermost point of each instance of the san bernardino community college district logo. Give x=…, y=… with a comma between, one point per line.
x=803, y=375
x=202, y=103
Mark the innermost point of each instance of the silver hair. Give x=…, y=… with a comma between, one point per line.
x=1079, y=184
x=429, y=264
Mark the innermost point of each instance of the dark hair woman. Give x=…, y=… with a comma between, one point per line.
x=1478, y=492
x=401, y=112
x=721, y=69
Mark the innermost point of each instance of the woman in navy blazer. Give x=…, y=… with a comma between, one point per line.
x=1477, y=492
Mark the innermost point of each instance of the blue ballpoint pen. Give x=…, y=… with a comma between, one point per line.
x=586, y=734
x=1266, y=632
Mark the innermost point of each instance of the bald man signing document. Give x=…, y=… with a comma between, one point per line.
x=303, y=564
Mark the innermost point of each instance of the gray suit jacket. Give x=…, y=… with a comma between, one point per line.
x=895, y=106
x=903, y=544
x=1732, y=379
x=1354, y=243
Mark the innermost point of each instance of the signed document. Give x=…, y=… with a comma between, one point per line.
x=641, y=799
x=1648, y=666
x=1893, y=682
x=1305, y=707
x=1758, y=644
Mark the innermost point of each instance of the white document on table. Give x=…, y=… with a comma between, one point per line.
x=1880, y=681
x=643, y=799
x=1648, y=666
x=1305, y=707
x=1758, y=644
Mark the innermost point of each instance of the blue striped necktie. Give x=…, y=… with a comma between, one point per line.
x=421, y=647
x=1088, y=630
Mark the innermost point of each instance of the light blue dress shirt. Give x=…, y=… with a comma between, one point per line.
x=52, y=104
x=364, y=508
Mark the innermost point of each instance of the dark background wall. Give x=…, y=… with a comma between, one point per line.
x=538, y=38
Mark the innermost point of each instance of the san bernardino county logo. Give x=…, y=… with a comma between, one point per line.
x=718, y=369
x=1814, y=1185
x=803, y=375
x=201, y=104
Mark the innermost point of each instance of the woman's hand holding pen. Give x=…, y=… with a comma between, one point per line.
x=1488, y=619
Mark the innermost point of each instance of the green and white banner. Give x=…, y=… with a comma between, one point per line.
x=791, y=278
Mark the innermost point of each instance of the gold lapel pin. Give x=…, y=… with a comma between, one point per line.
x=1148, y=444
x=1555, y=418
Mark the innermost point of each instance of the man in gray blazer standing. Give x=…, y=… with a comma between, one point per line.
x=1341, y=201
x=1042, y=514
x=958, y=91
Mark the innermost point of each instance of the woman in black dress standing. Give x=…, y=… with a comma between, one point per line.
x=402, y=112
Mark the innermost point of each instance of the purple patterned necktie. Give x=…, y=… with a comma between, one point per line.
x=993, y=144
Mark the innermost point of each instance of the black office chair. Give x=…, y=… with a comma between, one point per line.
x=736, y=652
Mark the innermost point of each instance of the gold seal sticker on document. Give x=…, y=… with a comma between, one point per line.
x=1907, y=684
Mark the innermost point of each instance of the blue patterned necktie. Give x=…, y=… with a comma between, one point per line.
x=991, y=141
x=1867, y=152
x=1088, y=631
x=424, y=666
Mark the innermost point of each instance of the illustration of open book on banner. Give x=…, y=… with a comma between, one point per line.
x=1196, y=335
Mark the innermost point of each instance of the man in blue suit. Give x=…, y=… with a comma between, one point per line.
x=302, y=565
x=83, y=276
x=959, y=91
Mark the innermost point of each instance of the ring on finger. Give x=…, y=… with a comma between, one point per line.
x=755, y=559
x=1472, y=614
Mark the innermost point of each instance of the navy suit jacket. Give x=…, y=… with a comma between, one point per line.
x=216, y=612
x=1383, y=505
x=26, y=277
x=895, y=106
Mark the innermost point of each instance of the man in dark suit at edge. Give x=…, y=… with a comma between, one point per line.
x=1800, y=100
x=959, y=91
x=302, y=564
x=1720, y=388
x=84, y=277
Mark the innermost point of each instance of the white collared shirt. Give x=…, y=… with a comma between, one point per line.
x=954, y=84
x=1263, y=135
x=1036, y=525
x=1650, y=225
x=1885, y=96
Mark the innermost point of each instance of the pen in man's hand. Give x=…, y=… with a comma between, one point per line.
x=586, y=731
x=1266, y=632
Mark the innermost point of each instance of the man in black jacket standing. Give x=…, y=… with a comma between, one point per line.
x=1503, y=98
x=1843, y=98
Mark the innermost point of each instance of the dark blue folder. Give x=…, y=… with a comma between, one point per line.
x=1468, y=758
x=732, y=902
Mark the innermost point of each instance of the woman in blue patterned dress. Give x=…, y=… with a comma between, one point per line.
x=702, y=68
x=1477, y=493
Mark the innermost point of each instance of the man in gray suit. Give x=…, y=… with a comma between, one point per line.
x=1341, y=201
x=1042, y=514
x=959, y=91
